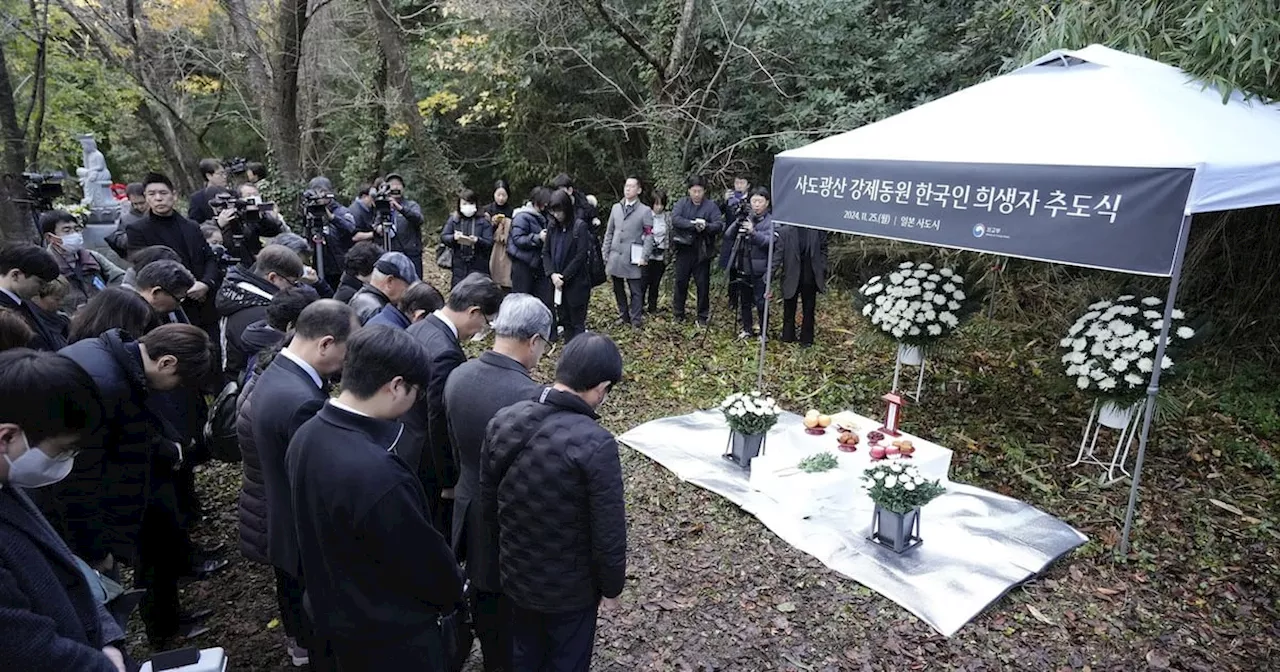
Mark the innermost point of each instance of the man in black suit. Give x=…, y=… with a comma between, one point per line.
x=24, y=269
x=52, y=620
x=472, y=305
x=379, y=576
x=289, y=393
x=476, y=391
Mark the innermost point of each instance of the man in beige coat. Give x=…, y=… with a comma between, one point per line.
x=625, y=253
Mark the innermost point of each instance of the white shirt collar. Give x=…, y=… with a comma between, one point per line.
x=343, y=407
x=311, y=371
x=449, y=323
x=13, y=296
x=626, y=202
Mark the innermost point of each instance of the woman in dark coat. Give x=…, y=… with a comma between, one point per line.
x=564, y=259
x=752, y=261
x=470, y=235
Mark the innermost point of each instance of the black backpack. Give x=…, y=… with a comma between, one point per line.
x=595, y=262
x=220, y=427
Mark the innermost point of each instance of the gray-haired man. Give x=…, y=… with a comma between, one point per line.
x=476, y=391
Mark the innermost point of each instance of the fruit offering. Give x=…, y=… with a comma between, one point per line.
x=877, y=452
x=848, y=441
x=875, y=437
x=905, y=448
x=824, y=421
x=811, y=418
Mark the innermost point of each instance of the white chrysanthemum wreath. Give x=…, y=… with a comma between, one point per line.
x=917, y=304
x=1111, y=348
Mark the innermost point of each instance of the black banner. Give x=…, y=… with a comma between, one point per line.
x=1121, y=219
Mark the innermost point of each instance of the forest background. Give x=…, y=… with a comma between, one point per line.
x=463, y=92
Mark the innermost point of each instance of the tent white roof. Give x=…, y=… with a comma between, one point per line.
x=1092, y=107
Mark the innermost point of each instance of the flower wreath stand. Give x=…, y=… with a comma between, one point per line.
x=909, y=355
x=1117, y=418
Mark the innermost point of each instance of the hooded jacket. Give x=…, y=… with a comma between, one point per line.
x=524, y=245
x=242, y=300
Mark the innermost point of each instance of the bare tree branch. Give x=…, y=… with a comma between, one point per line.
x=631, y=40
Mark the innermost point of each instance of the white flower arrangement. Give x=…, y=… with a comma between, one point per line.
x=1111, y=348
x=750, y=413
x=917, y=304
x=900, y=487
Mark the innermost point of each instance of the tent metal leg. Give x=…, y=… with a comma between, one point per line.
x=1149, y=410
x=764, y=328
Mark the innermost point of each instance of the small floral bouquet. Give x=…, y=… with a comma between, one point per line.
x=79, y=211
x=1111, y=348
x=750, y=413
x=917, y=304
x=899, y=487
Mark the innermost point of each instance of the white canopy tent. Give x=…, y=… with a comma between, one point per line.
x=1104, y=157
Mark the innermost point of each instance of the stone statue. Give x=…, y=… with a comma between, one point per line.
x=95, y=179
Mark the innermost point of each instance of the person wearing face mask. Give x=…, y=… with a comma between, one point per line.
x=87, y=272
x=551, y=485
x=289, y=393
x=470, y=235
x=113, y=507
x=379, y=603
x=52, y=620
x=243, y=297
x=476, y=391
x=466, y=315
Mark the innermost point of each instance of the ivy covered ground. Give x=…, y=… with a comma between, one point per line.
x=711, y=589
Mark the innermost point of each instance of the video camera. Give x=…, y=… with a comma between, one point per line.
x=236, y=166
x=315, y=202
x=43, y=188
x=382, y=197
x=248, y=210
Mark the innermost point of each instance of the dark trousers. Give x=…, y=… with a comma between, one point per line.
x=807, y=296
x=552, y=642
x=491, y=613
x=164, y=555
x=689, y=266
x=526, y=280
x=629, y=310
x=751, y=287
x=293, y=616
x=572, y=318
x=653, y=281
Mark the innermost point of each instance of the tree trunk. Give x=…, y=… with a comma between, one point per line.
x=438, y=174
x=178, y=170
x=15, y=150
x=378, y=111
x=291, y=26
x=35, y=128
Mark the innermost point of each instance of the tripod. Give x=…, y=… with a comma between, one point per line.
x=319, y=238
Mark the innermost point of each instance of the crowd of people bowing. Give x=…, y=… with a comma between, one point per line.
x=433, y=500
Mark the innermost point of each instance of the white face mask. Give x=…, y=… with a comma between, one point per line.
x=34, y=469
x=72, y=242
x=467, y=209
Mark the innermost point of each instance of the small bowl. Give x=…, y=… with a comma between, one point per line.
x=815, y=431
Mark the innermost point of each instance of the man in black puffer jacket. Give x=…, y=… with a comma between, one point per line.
x=551, y=484
x=113, y=505
x=243, y=297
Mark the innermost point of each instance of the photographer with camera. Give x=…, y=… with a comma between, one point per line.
x=244, y=221
x=737, y=207
x=749, y=258
x=398, y=222
x=215, y=180
x=328, y=226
